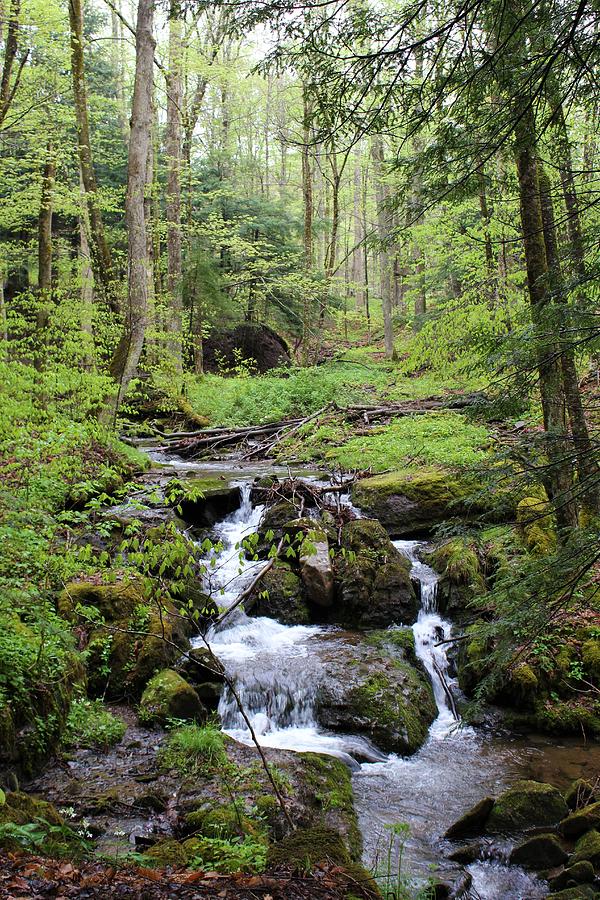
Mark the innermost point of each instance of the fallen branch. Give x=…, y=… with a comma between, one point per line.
x=248, y=590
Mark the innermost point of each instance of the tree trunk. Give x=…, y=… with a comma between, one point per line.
x=127, y=354
x=559, y=482
x=587, y=468
x=8, y=84
x=45, y=254
x=87, y=297
x=384, y=227
x=358, y=273
x=101, y=258
x=307, y=195
x=173, y=204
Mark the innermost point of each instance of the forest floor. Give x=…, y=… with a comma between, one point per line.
x=28, y=876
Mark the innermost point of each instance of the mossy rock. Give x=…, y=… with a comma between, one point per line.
x=567, y=716
x=473, y=657
x=461, y=574
x=169, y=696
x=540, y=852
x=580, y=873
x=473, y=821
x=590, y=656
x=330, y=782
x=220, y=822
x=536, y=525
x=523, y=686
x=169, y=854
x=581, y=820
x=580, y=793
x=408, y=502
x=205, y=501
x=305, y=848
x=587, y=849
x=20, y=809
x=284, y=600
x=581, y=892
x=372, y=580
x=113, y=601
x=526, y=804
x=396, y=639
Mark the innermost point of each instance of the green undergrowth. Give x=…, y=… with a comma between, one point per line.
x=351, y=379
x=53, y=457
x=440, y=439
x=91, y=724
x=192, y=747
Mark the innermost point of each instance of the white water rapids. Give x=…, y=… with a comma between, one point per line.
x=276, y=670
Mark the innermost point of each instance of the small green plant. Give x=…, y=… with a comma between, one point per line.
x=91, y=724
x=227, y=856
x=393, y=881
x=194, y=747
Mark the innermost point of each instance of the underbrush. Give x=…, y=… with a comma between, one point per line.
x=356, y=378
x=193, y=746
x=444, y=439
x=53, y=456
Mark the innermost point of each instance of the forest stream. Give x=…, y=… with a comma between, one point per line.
x=277, y=670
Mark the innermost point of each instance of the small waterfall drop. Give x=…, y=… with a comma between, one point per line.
x=431, y=632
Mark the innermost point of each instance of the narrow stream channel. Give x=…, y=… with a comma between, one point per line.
x=276, y=670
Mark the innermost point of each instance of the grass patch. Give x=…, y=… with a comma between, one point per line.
x=91, y=724
x=193, y=747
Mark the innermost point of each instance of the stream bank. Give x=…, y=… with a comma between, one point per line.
x=282, y=672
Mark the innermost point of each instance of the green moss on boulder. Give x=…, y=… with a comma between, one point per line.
x=542, y=851
x=473, y=821
x=170, y=854
x=581, y=820
x=590, y=656
x=280, y=596
x=405, y=502
x=536, y=526
x=169, y=696
x=580, y=793
x=587, y=849
x=527, y=804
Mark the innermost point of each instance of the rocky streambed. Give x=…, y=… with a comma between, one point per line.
x=338, y=664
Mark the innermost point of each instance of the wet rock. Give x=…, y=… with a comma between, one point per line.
x=467, y=854
x=581, y=820
x=280, y=595
x=526, y=804
x=113, y=601
x=169, y=696
x=200, y=666
x=473, y=821
x=408, y=502
x=316, y=570
x=587, y=849
x=543, y=851
x=580, y=873
x=206, y=501
x=581, y=892
x=376, y=693
x=580, y=793
x=373, y=584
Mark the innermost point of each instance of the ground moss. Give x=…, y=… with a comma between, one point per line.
x=168, y=854
x=225, y=822
x=590, y=656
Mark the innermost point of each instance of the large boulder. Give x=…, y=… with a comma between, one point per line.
x=526, y=804
x=205, y=501
x=579, y=873
x=317, y=572
x=257, y=344
x=580, y=793
x=169, y=696
x=373, y=584
x=410, y=502
x=376, y=691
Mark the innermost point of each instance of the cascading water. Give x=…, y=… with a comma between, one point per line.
x=433, y=788
x=274, y=671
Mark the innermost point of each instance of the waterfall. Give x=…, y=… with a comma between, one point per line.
x=431, y=631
